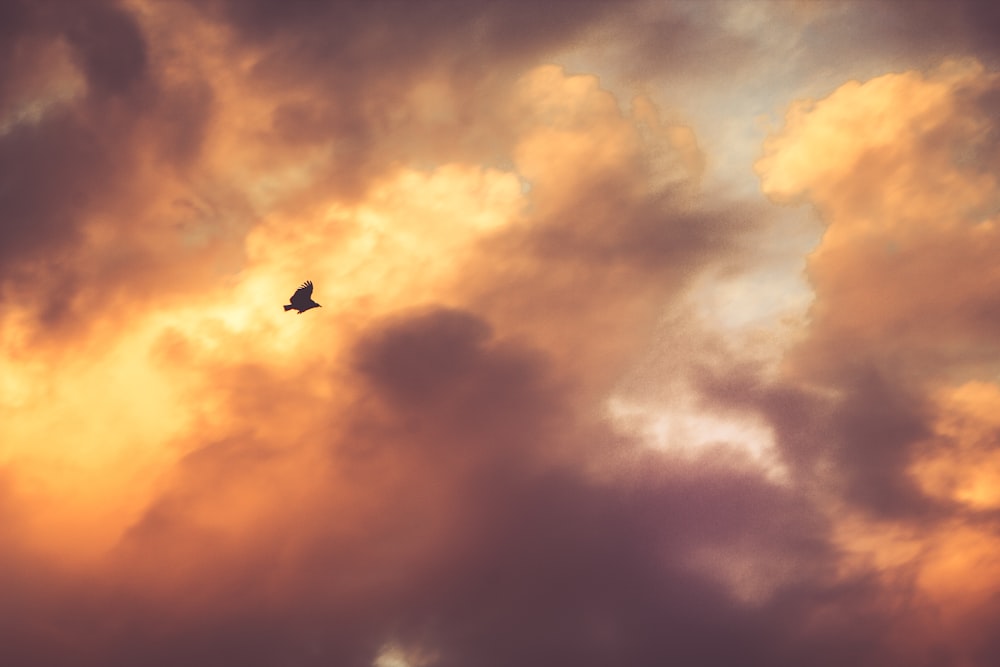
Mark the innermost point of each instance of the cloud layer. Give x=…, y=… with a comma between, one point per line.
x=528, y=426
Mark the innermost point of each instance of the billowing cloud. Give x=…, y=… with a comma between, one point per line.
x=545, y=415
x=901, y=338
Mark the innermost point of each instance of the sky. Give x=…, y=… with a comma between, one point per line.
x=652, y=333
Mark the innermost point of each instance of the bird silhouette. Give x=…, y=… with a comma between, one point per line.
x=302, y=299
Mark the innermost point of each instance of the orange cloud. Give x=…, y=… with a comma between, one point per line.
x=959, y=464
x=423, y=471
x=900, y=169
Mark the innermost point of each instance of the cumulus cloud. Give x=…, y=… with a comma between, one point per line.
x=456, y=460
x=899, y=168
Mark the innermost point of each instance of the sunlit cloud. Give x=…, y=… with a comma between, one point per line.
x=619, y=361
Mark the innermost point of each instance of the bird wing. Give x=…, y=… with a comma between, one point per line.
x=303, y=293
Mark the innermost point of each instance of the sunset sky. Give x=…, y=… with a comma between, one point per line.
x=653, y=333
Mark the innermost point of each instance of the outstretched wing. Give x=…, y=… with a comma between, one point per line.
x=302, y=296
x=305, y=291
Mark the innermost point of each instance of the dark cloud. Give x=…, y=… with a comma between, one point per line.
x=109, y=45
x=877, y=426
x=423, y=358
x=17, y=22
x=968, y=27
x=682, y=43
x=52, y=173
x=392, y=32
x=459, y=538
x=430, y=514
x=895, y=36
x=856, y=438
x=75, y=159
x=104, y=40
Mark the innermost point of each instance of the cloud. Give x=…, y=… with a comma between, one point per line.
x=900, y=340
x=430, y=513
x=354, y=479
x=427, y=471
x=901, y=266
x=109, y=46
x=95, y=144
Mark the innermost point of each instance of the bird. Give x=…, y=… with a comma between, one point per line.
x=302, y=299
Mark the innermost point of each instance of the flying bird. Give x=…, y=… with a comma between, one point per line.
x=302, y=299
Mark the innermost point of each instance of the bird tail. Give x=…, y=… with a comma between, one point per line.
x=287, y=307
